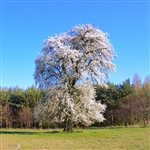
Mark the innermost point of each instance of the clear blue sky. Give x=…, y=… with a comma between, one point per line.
x=26, y=24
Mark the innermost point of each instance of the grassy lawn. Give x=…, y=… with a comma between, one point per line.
x=132, y=138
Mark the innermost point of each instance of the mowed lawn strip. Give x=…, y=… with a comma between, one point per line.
x=132, y=138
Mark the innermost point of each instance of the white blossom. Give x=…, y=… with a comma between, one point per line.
x=70, y=63
x=80, y=107
x=84, y=52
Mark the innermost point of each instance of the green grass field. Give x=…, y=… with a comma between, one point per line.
x=132, y=138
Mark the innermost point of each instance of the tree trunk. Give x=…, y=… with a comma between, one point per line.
x=68, y=125
x=65, y=125
x=112, y=120
x=126, y=124
x=144, y=122
x=6, y=124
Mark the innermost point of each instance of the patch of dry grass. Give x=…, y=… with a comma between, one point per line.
x=133, y=138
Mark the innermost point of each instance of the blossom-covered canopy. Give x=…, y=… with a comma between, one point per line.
x=84, y=53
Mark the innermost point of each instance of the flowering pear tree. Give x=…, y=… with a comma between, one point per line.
x=68, y=66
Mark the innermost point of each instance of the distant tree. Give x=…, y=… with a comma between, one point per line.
x=17, y=102
x=114, y=96
x=137, y=83
x=136, y=105
x=129, y=112
x=5, y=109
x=33, y=96
x=145, y=102
x=26, y=118
x=68, y=62
x=3, y=100
x=126, y=89
x=4, y=97
x=110, y=96
x=7, y=116
x=127, y=103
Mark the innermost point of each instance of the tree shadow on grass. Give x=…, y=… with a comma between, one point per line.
x=36, y=133
x=28, y=133
x=18, y=132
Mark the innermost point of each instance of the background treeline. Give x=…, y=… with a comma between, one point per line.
x=127, y=104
